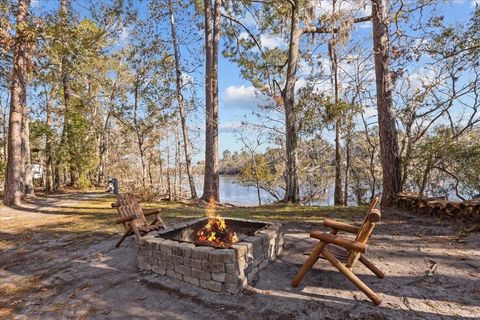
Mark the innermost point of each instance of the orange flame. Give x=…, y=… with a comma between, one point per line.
x=216, y=232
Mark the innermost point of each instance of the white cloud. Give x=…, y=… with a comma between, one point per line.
x=243, y=35
x=124, y=35
x=423, y=77
x=266, y=41
x=187, y=79
x=271, y=42
x=230, y=126
x=370, y=112
x=241, y=97
x=248, y=20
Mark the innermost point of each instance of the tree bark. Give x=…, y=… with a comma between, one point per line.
x=160, y=164
x=138, y=133
x=60, y=177
x=48, y=143
x=386, y=120
x=212, y=35
x=102, y=151
x=150, y=174
x=424, y=181
x=181, y=107
x=292, y=193
x=5, y=131
x=347, y=170
x=332, y=52
x=13, y=182
x=28, y=189
x=179, y=163
x=169, y=182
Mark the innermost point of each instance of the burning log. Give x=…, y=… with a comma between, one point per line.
x=217, y=234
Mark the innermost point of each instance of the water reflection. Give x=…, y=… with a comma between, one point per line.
x=231, y=191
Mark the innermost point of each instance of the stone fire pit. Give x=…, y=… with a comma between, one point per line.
x=171, y=252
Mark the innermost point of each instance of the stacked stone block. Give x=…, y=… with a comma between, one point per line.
x=219, y=270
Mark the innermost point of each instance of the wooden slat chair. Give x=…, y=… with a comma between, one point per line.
x=133, y=217
x=344, y=253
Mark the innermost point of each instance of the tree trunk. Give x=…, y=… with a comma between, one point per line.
x=160, y=164
x=102, y=150
x=138, y=134
x=424, y=181
x=181, y=107
x=257, y=179
x=169, y=182
x=60, y=176
x=211, y=179
x=67, y=96
x=178, y=162
x=5, y=131
x=150, y=175
x=26, y=155
x=406, y=161
x=48, y=143
x=347, y=169
x=332, y=52
x=386, y=119
x=13, y=182
x=142, y=162
x=292, y=193
x=175, y=169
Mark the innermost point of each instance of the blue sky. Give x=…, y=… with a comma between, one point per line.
x=237, y=96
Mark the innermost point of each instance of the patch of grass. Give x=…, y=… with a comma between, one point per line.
x=88, y=215
x=295, y=213
x=268, y=212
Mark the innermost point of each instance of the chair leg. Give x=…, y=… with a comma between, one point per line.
x=159, y=219
x=126, y=234
x=312, y=258
x=370, y=265
x=353, y=278
x=136, y=231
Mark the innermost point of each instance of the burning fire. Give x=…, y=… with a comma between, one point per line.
x=216, y=232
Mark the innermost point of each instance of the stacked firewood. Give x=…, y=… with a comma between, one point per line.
x=440, y=206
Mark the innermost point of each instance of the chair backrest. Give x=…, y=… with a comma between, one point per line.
x=366, y=229
x=128, y=205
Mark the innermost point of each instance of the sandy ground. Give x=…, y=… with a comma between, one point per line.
x=432, y=272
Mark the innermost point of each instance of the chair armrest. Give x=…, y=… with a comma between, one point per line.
x=149, y=212
x=341, y=226
x=125, y=219
x=342, y=242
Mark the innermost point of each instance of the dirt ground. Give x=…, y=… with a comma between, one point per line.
x=53, y=265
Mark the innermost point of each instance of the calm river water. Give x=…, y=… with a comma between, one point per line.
x=232, y=191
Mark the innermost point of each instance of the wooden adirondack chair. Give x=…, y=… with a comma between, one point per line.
x=133, y=217
x=344, y=253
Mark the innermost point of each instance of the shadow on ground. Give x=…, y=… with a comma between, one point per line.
x=57, y=261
